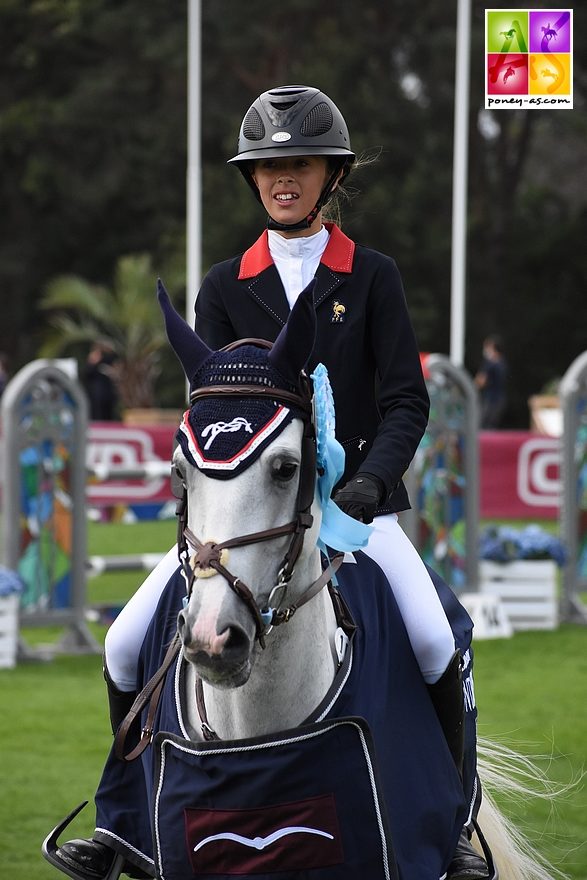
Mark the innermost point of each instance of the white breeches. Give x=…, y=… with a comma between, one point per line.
x=427, y=626
x=125, y=636
x=426, y=623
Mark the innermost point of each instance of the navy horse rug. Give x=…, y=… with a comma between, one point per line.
x=309, y=801
x=365, y=789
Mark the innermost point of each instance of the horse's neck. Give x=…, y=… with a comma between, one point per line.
x=289, y=679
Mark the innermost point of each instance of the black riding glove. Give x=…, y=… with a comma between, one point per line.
x=361, y=496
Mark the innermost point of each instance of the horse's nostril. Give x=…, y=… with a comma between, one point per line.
x=237, y=641
x=181, y=623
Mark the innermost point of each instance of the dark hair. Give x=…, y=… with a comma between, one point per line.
x=496, y=341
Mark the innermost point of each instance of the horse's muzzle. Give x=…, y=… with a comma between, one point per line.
x=222, y=659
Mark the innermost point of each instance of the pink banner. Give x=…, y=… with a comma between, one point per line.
x=520, y=475
x=520, y=471
x=113, y=444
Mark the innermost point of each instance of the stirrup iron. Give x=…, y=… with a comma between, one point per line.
x=50, y=847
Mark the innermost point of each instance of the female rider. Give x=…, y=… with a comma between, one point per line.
x=294, y=152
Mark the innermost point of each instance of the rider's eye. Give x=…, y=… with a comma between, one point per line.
x=284, y=470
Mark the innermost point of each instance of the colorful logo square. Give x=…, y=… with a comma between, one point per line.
x=528, y=59
x=507, y=30
x=550, y=74
x=550, y=31
x=507, y=74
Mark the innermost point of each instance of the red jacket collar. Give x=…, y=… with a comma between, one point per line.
x=338, y=255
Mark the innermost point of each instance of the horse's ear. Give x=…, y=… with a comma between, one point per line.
x=189, y=348
x=295, y=343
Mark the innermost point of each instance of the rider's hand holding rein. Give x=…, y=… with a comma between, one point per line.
x=361, y=497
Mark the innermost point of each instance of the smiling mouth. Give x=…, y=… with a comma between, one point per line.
x=286, y=197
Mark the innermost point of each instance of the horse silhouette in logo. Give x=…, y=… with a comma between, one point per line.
x=549, y=33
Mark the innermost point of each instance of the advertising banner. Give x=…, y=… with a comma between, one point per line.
x=519, y=479
x=520, y=475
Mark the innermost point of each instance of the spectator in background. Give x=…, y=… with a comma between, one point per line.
x=99, y=382
x=491, y=380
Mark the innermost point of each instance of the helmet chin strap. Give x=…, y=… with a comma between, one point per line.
x=293, y=227
x=307, y=221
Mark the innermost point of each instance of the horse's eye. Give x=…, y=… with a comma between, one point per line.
x=283, y=470
x=178, y=484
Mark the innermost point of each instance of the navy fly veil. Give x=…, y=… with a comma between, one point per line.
x=220, y=434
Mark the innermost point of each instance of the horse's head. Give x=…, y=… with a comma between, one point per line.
x=247, y=460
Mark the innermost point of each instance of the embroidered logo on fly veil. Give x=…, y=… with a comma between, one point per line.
x=261, y=843
x=217, y=428
x=238, y=441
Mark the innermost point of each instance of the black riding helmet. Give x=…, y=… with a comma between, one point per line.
x=294, y=121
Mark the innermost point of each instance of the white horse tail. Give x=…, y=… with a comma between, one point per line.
x=508, y=775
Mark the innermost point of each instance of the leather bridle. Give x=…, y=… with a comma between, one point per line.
x=208, y=554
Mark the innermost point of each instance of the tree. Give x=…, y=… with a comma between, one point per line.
x=93, y=144
x=127, y=316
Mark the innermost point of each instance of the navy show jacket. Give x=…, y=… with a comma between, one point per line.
x=364, y=338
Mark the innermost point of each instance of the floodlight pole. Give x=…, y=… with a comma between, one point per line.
x=194, y=169
x=459, y=185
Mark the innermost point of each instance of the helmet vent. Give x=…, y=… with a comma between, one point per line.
x=318, y=121
x=253, y=128
x=284, y=105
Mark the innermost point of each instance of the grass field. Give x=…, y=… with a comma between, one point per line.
x=531, y=691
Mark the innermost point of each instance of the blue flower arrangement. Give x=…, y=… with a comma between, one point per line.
x=506, y=544
x=10, y=582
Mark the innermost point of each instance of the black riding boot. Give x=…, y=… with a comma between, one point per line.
x=119, y=702
x=447, y=697
x=92, y=860
x=88, y=857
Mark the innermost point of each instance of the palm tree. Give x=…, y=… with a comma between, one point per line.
x=127, y=317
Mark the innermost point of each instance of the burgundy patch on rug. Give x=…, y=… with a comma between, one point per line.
x=282, y=837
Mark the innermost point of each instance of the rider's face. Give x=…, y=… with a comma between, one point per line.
x=290, y=186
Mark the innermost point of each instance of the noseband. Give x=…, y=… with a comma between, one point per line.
x=208, y=554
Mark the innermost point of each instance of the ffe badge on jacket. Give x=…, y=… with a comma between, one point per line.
x=338, y=312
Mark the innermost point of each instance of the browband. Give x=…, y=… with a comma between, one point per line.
x=289, y=398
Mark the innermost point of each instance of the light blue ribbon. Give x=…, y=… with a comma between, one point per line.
x=338, y=530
